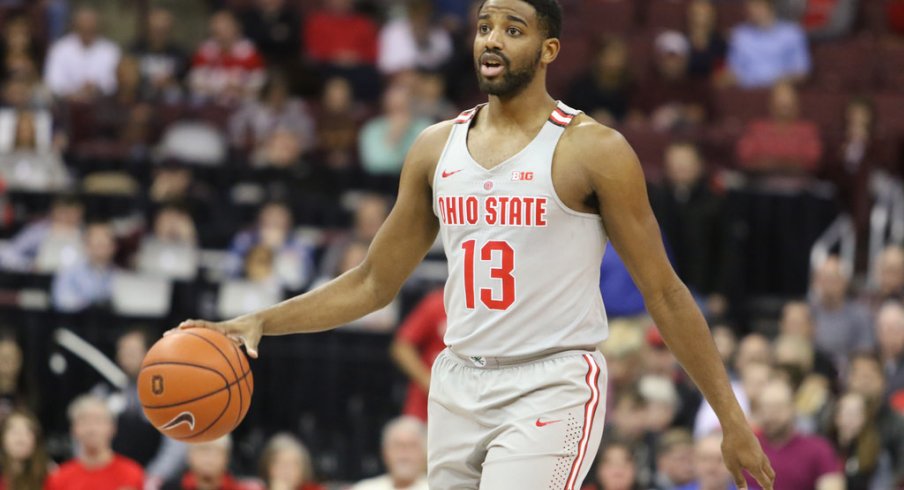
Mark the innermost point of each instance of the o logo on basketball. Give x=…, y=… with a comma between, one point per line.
x=157, y=384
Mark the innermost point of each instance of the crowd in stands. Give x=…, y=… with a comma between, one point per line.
x=151, y=173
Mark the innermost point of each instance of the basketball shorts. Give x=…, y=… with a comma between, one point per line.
x=526, y=424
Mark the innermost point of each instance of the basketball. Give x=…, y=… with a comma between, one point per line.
x=195, y=385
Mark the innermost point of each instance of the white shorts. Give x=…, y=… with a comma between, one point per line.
x=501, y=424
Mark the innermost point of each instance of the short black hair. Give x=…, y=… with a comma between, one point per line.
x=549, y=15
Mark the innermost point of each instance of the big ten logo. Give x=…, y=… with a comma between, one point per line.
x=157, y=384
x=517, y=175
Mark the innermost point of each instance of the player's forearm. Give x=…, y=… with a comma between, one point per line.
x=685, y=332
x=336, y=303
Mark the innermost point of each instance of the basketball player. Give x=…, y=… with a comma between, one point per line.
x=525, y=191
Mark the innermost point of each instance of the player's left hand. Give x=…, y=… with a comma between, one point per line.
x=741, y=451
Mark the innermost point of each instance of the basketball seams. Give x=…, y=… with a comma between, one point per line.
x=234, y=374
x=243, y=363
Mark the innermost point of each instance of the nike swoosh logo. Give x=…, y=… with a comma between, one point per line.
x=542, y=423
x=182, y=418
x=449, y=174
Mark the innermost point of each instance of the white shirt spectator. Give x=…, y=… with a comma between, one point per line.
x=399, y=50
x=71, y=65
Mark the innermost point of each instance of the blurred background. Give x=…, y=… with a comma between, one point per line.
x=165, y=159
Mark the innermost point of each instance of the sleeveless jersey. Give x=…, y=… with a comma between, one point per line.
x=523, y=267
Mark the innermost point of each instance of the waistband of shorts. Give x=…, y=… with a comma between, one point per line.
x=491, y=362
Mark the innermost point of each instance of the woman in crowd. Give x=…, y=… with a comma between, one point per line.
x=286, y=465
x=615, y=469
x=23, y=460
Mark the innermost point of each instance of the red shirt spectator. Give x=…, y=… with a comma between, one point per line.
x=189, y=482
x=119, y=474
x=784, y=142
x=338, y=35
x=422, y=333
x=800, y=462
x=226, y=66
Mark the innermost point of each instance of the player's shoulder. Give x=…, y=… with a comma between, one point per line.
x=586, y=136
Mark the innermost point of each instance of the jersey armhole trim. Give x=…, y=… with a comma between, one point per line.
x=436, y=169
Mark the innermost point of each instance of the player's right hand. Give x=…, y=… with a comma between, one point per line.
x=244, y=330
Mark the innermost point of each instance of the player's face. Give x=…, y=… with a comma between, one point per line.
x=508, y=47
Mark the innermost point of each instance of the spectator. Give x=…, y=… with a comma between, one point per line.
x=794, y=364
x=430, y=97
x=337, y=125
x=19, y=51
x=173, y=181
x=709, y=468
x=765, y=50
x=662, y=401
x=625, y=426
x=417, y=343
x=208, y=468
x=668, y=99
x=259, y=268
x=342, y=42
x=784, y=143
x=173, y=225
x=707, y=46
x=661, y=363
x=865, y=377
x=692, y=219
x=275, y=111
x=889, y=277
x=604, y=91
x=15, y=393
x=163, y=63
x=273, y=26
x=286, y=465
x=136, y=438
x=414, y=41
x=23, y=458
x=96, y=466
x=856, y=439
x=385, y=139
x=615, y=469
x=227, y=67
x=29, y=160
x=857, y=156
x=62, y=224
x=754, y=347
x=274, y=229
x=800, y=462
x=87, y=282
x=797, y=320
x=337, y=35
x=842, y=325
x=726, y=343
x=890, y=342
x=405, y=457
x=371, y=211
x=82, y=64
x=754, y=377
x=823, y=20
x=674, y=459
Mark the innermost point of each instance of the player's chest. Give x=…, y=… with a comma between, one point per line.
x=489, y=149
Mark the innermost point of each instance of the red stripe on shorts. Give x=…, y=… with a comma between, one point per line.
x=592, y=380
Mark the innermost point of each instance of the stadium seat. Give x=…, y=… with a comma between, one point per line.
x=729, y=14
x=737, y=105
x=572, y=61
x=240, y=297
x=667, y=15
x=890, y=66
x=843, y=65
x=650, y=146
x=890, y=112
x=169, y=260
x=139, y=295
x=608, y=17
x=824, y=108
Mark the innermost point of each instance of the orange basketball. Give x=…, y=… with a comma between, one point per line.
x=195, y=385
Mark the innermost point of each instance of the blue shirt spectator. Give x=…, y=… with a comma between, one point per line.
x=765, y=50
x=89, y=281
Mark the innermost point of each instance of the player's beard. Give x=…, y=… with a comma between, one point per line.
x=512, y=82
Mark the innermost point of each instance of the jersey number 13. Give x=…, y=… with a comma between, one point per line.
x=502, y=273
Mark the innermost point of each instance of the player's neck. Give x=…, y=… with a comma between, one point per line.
x=532, y=103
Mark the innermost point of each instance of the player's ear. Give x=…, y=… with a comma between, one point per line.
x=550, y=50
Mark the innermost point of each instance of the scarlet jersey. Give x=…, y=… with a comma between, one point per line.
x=523, y=267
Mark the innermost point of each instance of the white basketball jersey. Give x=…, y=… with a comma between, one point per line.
x=523, y=267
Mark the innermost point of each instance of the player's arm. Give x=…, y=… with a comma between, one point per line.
x=617, y=181
x=398, y=247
